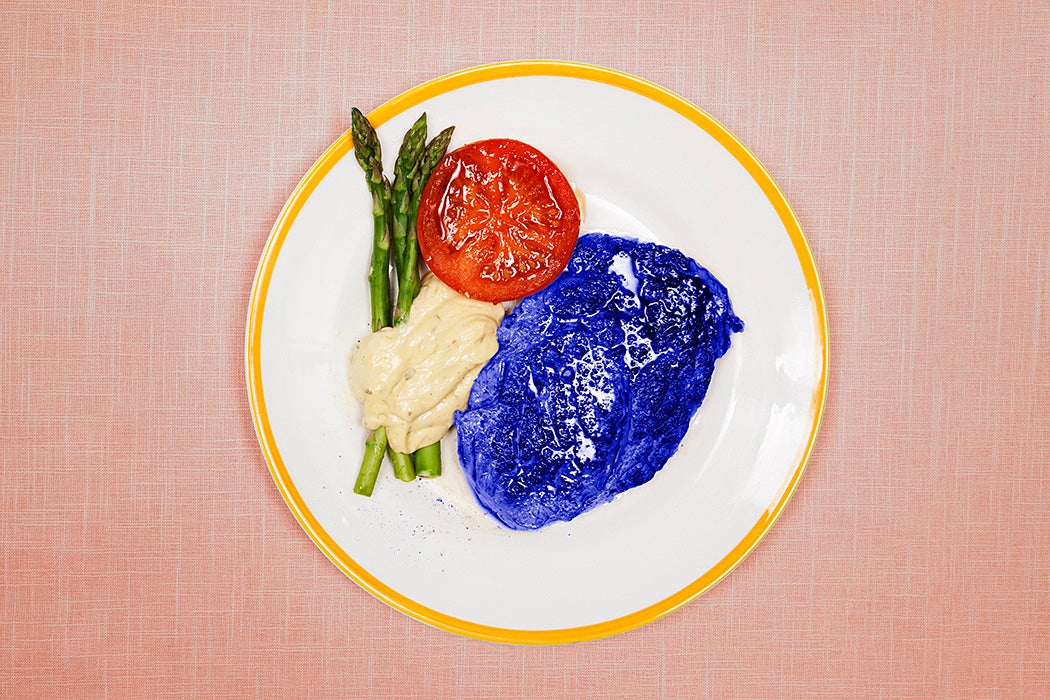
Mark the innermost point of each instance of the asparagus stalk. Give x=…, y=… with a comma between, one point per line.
x=375, y=446
x=408, y=281
x=406, y=167
x=428, y=459
x=432, y=155
x=394, y=211
x=369, y=156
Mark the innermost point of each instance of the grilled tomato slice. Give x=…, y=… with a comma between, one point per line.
x=498, y=220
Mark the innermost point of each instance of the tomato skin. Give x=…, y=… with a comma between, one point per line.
x=498, y=220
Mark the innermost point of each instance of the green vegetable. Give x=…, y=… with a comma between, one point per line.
x=369, y=156
x=394, y=211
x=432, y=155
x=428, y=459
x=406, y=167
x=375, y=446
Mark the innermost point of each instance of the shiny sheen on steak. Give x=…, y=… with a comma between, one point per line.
x=596, y=379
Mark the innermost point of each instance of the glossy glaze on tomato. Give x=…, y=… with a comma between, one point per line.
x=498, y=220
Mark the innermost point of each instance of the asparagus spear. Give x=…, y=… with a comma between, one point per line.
x=375, y=446
x=408, y=272
x=428, y=459
x=394, y=210
x=398, y=200
x=406, y=168
x=432, y=155
x=369, y=156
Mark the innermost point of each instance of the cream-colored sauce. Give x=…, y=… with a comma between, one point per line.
x=411, y=379
x=581, y=199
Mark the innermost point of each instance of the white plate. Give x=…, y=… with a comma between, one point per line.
x=651, y=165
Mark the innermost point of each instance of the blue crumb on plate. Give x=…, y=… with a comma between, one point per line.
x=596, y=379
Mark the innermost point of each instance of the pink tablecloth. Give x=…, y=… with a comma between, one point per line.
x=146, y=149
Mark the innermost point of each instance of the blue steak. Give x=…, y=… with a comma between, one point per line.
x=596, y=379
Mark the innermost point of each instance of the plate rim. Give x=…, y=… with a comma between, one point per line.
x=257, y=303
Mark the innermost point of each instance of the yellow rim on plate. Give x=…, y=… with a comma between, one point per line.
x=257, y=306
